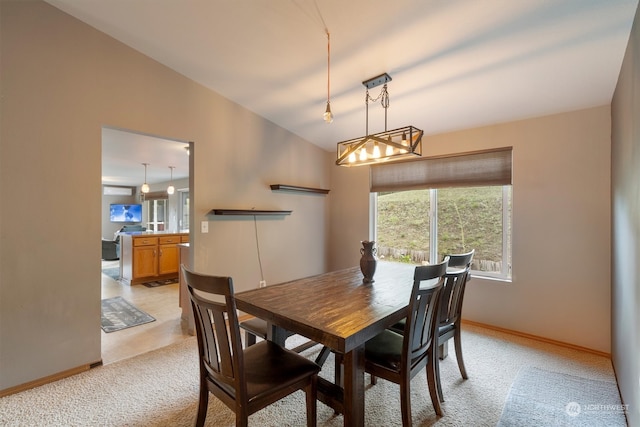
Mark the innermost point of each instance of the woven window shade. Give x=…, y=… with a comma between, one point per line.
x=481, y=168
x=156, y=195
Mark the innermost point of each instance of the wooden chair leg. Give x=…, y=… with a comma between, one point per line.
x=203, y=403
x=242, y=419
x=443, y=350
x=374, y=380
x=438, y=382
x=458, y=344
x=432, y=384
x=405, y=402
x=311, y=392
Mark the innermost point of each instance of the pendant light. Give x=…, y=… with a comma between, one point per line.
x=145, y=187
x=368, y=149
x=171, y=189
x=328, y=115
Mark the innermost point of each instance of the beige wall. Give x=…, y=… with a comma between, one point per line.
x=349, y=216
x=561, y=225
x=61, y=82
x=625, y=141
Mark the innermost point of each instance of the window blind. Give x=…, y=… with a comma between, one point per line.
x=475, y=169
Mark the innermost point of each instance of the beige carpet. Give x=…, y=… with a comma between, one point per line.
x=538, y=396
x=160, y=389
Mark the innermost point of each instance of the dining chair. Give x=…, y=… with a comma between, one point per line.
x=245, y=380
x=398, y=358
x=450, y=312
x=450, y=316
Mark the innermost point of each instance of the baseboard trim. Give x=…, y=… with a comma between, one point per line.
x=537, y=338
x=44, y=380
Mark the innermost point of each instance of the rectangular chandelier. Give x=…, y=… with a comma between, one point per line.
x=380, y=147
x=384, y=146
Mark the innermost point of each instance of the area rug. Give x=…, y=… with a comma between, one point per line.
x=118, y=314
x=113, y=272
x=157, y=283
x=538, y=397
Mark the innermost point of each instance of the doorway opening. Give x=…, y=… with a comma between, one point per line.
x=124, y=153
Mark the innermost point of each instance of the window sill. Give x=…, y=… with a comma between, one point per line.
x=491, y=278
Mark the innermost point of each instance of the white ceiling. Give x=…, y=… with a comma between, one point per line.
x=455, y=64
x=124, y=152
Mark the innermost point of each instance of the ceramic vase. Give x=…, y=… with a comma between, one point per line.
x=368, y=260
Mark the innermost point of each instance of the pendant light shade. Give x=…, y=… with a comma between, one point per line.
x=171, y=189
x=145, y=187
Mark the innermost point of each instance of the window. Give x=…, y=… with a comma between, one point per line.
x=156, y=213
x=403, y=230
x=426, y=208
x=420, y=226
x=183, y=211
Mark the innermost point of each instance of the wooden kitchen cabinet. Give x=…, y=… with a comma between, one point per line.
x=145, y=262
x=168, y=255
x=147, y=257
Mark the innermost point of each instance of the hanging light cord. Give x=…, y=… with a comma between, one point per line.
x=328, y=62
x=326, y=30
x=255, y=226
x=328, y=115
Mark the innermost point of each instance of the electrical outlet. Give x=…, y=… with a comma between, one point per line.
x=263, y=284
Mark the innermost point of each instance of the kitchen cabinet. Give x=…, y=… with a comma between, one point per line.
x=147, y=257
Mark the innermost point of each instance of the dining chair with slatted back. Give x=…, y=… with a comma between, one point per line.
x=398, y=358
x=450, y=316
x=452, y=297
x=245, y=380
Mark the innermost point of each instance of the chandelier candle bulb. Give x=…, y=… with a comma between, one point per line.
x=389, y=151
x=376, y=150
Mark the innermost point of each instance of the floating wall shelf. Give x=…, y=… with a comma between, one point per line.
x=285, y=187
x=247, y=212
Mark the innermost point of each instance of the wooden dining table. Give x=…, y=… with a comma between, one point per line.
x=336, y=309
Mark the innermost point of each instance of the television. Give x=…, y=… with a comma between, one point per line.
x=120, y=212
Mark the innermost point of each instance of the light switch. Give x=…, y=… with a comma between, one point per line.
x=204, y=226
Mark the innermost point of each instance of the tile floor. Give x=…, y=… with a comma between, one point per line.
x=160, y=302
